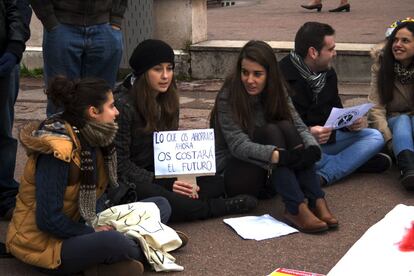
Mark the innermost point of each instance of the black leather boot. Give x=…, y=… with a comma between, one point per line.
x=240, y=204
x=405, y=162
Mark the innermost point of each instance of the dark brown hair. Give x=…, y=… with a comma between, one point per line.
x=78, y=95
x=273, y=97
x=386, y=74
x=311, y=34
x=159, y=111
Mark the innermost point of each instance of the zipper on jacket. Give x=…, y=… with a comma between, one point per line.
x=269, y=173
x=85, y=14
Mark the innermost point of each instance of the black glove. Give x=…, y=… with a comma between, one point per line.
x=290, y=158
x=311, y=155
x=7, y=62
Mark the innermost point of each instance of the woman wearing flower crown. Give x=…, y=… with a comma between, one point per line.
x=392, y=93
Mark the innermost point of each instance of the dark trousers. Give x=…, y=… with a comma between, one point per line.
x=293, y=185
x=105, y=247
x=9, y=88
x=210, y=204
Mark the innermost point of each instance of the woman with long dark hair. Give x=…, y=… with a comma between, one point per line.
x=148, y=102
x=71, y=162
x=262, y=145
x=392, y=92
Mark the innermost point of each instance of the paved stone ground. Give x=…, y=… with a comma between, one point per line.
x=214, y=249
x=278, y=20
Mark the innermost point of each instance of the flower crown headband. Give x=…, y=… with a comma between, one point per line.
x=394, y=24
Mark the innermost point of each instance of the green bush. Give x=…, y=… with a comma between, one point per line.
x=31, y=73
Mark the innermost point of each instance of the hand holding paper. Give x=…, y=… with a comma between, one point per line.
x=343, y=117
x=357, y=125
x=321, y=134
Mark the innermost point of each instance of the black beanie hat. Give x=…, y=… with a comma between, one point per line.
x=149, y=53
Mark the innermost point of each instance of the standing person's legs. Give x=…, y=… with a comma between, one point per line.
x=349, y=152
x=62, y=55
x=105, y=247
x=402, y=133
x=103, y=53
x=9, y=87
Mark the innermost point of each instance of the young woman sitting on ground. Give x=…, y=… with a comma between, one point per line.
x=71, y=160
x=262, y=145
x=392, y=89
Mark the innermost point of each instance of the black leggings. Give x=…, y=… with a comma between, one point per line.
x=210, y=204
x=293, y=185
x=243, y=177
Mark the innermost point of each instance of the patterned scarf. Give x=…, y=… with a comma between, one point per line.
x=93, y=134
x=404, y=75
x=315, y=81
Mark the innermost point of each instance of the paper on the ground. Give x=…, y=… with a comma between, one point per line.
x=342, y=117
x=377, y=252
x=259, y=227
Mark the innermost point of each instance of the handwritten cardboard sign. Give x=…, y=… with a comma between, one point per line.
x=184, y=152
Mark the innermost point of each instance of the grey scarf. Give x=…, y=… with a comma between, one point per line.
x=315, y=81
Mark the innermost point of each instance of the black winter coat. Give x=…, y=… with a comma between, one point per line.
x=313, y=110
x=14, y=27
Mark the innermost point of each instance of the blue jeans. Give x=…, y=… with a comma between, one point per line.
x=9, y=88
x=402, y=127
x=78, y=52
x=351, y=150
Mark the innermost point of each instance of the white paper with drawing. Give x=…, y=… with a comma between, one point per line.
x=184, y=152
x=342, y=117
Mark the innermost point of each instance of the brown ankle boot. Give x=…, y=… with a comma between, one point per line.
x=124, y=268
x=305, y=221
x=321, y=210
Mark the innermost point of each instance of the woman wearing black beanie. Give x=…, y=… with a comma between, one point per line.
x=148, y=102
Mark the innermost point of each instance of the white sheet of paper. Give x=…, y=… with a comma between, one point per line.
x=259, y=227
x=342, y=117
x=377, y=252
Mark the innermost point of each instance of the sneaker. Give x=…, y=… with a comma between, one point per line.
x=240, y=204
x=380, y=162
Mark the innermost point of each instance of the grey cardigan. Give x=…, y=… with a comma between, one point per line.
x=231, y=140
